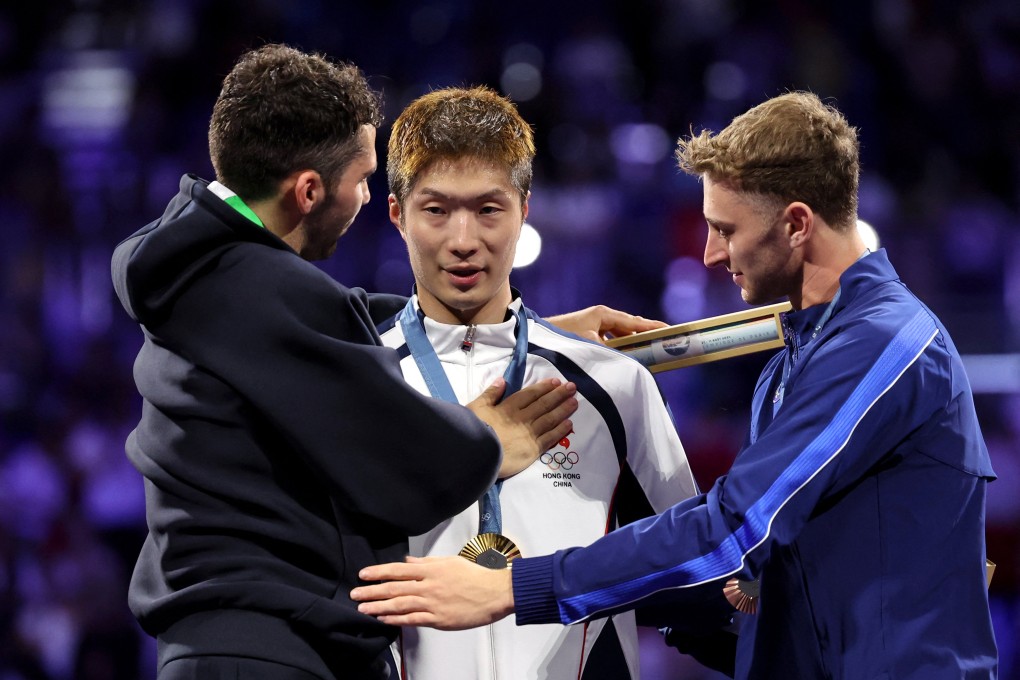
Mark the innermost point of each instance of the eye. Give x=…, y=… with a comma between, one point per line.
x=490, y=210
x=433, y=210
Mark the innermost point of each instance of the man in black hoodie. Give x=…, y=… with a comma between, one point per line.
x=281, y=448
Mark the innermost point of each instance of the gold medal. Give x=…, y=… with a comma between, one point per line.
x=743, y=595
x=494, y=551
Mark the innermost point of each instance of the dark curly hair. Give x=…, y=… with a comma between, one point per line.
x=282, y=110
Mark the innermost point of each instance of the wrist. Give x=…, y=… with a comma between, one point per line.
x=507, y=589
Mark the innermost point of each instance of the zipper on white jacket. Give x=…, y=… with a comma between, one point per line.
x=492, y=652
x=469, y=339
x=467, y=346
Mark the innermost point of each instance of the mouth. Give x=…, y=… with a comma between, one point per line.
x=464, y=277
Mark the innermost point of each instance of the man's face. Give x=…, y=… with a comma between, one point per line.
x=461, y=222
x=329, y=221
x=752, y=245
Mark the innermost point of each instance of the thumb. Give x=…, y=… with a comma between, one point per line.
x=493, y=393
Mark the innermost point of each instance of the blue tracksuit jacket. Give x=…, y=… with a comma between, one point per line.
x=859, y=504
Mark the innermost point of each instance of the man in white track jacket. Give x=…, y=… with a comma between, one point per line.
x=459, y=165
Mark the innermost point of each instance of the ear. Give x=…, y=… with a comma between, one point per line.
x=395, y=215
x=800, y=223
x=309, y=191
x=524, y=208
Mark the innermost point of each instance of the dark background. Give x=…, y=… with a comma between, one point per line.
x=105, y=104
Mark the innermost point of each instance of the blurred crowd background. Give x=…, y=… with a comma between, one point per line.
x=105, y=104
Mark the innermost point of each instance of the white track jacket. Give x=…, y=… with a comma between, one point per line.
x=623, y=459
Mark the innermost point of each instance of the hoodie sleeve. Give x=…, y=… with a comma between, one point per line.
x=302, y=353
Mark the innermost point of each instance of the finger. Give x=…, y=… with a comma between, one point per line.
x=392, y=571
x=553, y=419
x=621, y=323
x=427, y=558
x=549, y=403
x=549, y=439
x=385, y=590
x=409, y=604
x=415, y=619
x=492, y=393
x=531, y=394
x=548, y=427
x=640, y=325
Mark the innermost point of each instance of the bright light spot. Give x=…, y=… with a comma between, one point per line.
x=868, y=235
x=642, y=143
x=725, y=81
x=529, y=246
x=523, y=52
x=92, y=93
x=993, y=373
x=521, y=81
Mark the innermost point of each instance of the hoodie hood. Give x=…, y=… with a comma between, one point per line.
x=152, y=266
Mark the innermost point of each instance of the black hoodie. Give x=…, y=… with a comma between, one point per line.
x=282, y=450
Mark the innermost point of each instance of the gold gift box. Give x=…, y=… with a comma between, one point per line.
x=711, y=339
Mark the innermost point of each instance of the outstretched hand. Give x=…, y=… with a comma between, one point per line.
x=528, y=422
x=448, y=593
x=599, y=323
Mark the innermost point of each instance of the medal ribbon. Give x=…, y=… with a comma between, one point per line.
x=235, y=202
x=794, y=350
x=412, y=323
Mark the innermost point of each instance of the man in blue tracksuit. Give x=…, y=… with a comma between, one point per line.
x=856, y=507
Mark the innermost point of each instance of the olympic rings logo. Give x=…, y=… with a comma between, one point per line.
x=560, y=459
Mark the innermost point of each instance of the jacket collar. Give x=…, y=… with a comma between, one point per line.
x=860, y=277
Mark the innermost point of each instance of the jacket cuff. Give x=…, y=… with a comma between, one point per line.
x=534, y=599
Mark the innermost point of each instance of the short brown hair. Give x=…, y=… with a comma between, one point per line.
x=790, y=148
x=282, y=110
x=455, y=122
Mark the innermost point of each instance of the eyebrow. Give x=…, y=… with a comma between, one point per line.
x=485, y=196
x=717, y=224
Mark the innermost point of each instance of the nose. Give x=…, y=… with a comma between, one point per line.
x=464, y=239
x=715, y=249
x=366, y=196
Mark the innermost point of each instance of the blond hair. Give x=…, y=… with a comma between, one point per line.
x=453, y=123
x=790, y=148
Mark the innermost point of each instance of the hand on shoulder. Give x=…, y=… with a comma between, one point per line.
x=600, y=323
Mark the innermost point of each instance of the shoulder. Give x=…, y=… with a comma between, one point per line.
x=273, y=271
x=390, y=332
x=887, y=334
x=545, y=335
x=890, y=313
x=276, y=289
x=611, y=368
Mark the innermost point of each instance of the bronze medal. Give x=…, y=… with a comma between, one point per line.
x=743, y=595
x=494, y=551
